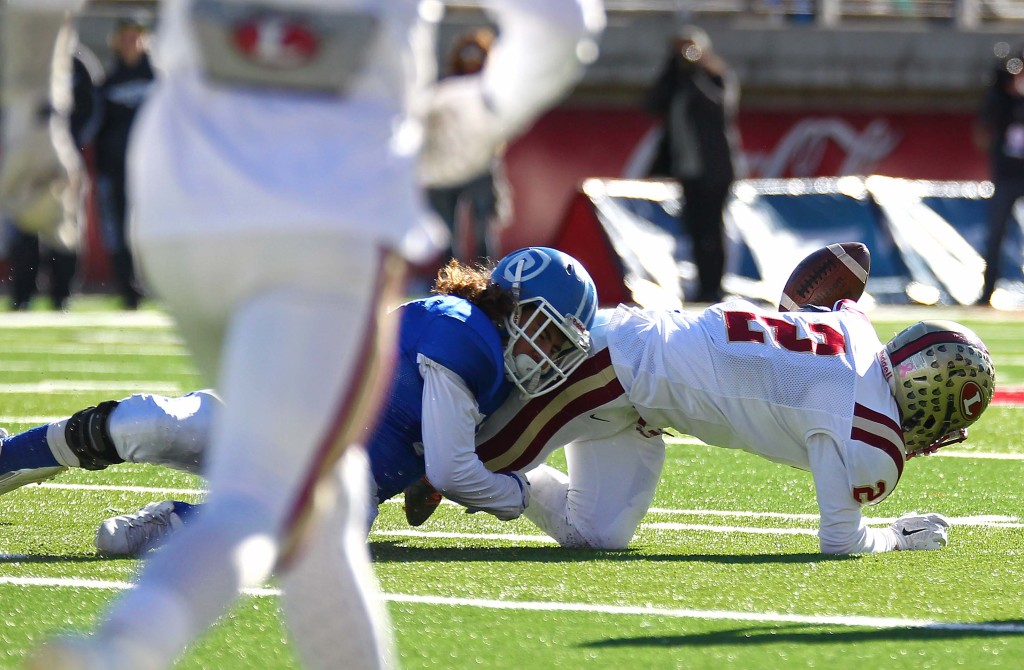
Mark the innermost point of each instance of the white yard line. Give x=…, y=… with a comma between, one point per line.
x=60, y=386
x=858, y=621
x=981, y=520
x=688, y=441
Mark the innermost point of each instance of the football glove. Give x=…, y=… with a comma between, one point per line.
x=462, y=134
x=421, y=501
x=921, y=531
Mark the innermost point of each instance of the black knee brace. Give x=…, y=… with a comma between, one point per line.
x=89, y=438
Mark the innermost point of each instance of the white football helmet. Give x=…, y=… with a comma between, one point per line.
x=942, y=377
x=550, y=288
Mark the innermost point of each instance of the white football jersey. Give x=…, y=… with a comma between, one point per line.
x=741, y=377
x=343, y=158
x=802, y=388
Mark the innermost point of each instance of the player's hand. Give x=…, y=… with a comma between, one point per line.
x=511, y=512
x=462, y=134
x=921, y=531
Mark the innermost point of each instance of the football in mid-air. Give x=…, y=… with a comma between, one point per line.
x=829, y=274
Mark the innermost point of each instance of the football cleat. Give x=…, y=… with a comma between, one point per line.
x=135, y=534
x=18, y=478
x=421, y=500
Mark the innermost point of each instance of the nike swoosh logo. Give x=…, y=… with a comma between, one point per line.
x=597, y=418
x=911, y=532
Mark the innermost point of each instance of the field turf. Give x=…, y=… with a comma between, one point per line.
x=724, y=571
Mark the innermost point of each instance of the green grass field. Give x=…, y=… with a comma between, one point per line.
x=724, y=571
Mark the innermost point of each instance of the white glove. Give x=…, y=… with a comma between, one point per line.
x=921, y=531
x=462, y=134
x=509, y=513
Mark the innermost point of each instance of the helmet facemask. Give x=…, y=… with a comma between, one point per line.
x=553, y=296
x=942, y=379
x=531, y=322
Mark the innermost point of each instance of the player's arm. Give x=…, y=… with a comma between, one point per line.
x=842, y=529
x=543, y=48
x=847, y=477
x=450, y=417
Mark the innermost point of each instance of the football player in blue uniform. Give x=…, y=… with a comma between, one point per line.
x=523, y=325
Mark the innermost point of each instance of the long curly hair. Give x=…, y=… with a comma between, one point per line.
x=473, y=283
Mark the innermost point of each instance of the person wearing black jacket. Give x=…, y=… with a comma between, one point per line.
x=127, y=84
x=999, y=130
x=696, y=96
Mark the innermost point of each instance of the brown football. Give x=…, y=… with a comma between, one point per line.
x=829, y=274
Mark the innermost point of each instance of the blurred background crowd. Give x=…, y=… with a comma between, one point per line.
x=747, y=114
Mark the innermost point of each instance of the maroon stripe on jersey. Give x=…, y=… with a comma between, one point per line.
x=359, y=402
x=925, y=341
x=879, y=441
x=501, y=442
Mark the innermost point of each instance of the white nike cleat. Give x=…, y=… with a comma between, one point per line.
x=18, y=478
x=135, y=534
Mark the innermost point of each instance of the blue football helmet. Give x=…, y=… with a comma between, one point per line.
x=550, y=288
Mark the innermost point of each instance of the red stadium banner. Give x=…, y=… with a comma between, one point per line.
x=569, y=145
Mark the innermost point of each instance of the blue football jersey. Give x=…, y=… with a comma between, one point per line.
x=459, y=336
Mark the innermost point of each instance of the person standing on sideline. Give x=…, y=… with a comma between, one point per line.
x=128, y=82
x=276, y=177
x=696, y=96
x=56, y=256
x=999, y=130
x=485, y=198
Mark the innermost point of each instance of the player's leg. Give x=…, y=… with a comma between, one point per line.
x=600, y=503
x=263, y=475
x=142, y=428
x=327, y=571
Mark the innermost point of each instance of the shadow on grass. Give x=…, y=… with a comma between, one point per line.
x=391, y=551
x=62, y=558
x=792, y=634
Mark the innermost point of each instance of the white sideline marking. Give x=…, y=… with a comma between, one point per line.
x=143, y=319
x=628, y=610
x=117, y=487
x=688, y=441
x=984, y=520
x=163, y=388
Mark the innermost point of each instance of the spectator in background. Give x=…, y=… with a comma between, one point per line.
x=485, y=198
x=696, y=96
x=128, y=82
x=999, y=130
x=30, y=254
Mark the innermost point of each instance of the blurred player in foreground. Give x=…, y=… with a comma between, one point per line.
x=275, y=185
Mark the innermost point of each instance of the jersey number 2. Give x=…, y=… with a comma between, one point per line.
x=737, y=327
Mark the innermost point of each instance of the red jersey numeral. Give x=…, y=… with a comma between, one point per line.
x=866, y=494
x=738, y=329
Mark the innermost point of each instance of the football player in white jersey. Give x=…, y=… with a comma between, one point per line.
x=275, y=175
x=813, y=389
x=816, y=390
